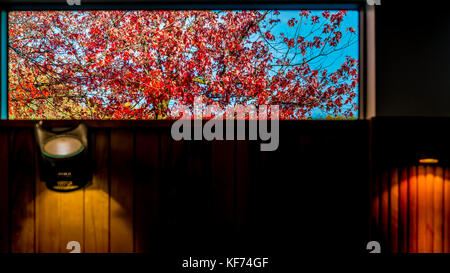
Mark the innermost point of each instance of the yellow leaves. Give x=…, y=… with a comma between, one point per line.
x=200, y=80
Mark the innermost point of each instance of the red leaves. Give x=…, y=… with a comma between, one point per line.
x=133, y=64
x=305, y=13
x=289, y=42
x=292, y=22
x=338, y=17
x=269, y=36
x=315, y=20
x=351, y=29
x=327, y=28
x=272, y=21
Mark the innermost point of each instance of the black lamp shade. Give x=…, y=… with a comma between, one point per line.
x=64, y=157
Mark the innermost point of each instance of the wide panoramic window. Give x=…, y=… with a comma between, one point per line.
x=145, y=64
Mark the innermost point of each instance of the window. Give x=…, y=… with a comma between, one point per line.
x=144, y=64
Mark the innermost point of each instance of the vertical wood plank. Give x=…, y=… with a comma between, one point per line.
x=242, y=183
x=22, y=190
x=170, y=173
x=48, y=215
x=447, y=211
x=438, y=210
x=375, y=199
x=146, y=197
x=385, y=206
x=71, y=219
x=429, y=204
x=121, y=191
x=4, y=208
x=222, y=171
x=403, y=217
x=96, y=198
x=413, y=210
x=394, y=210
x=194, y=193
x=422, y=209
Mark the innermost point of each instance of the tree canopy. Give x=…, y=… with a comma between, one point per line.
x=119, y=64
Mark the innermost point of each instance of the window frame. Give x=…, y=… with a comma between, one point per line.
x=366, y=36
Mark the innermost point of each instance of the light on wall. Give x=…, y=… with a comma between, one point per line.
x=64, y=158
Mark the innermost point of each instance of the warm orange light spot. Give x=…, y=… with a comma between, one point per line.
x=428, y=161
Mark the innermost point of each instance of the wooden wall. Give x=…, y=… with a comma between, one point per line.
x=411, y=209
x=410, y=202
x=152, y=194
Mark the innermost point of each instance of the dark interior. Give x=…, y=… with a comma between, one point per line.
x=313, y=194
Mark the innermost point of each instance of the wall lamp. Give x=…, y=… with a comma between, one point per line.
x=64, y=162
x=428, y=158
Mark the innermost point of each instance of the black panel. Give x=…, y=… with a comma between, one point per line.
x=413, y=59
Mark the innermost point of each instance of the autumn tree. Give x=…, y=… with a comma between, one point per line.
x=135, y=64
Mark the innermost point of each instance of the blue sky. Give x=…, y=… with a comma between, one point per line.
x=350, y=20
x=333, y=61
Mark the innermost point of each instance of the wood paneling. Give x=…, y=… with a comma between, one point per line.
x=403, y=211
x=146, y=197
x=96, y=198
x=413, y=206
x=242, y=183
x=438, y=213
x=414, y=209
x=421, y=209
x=4, y=198
x=48, y=215
x=428, y=210
x=22, y=191
x=394, y=210
x=72, y=218
x=223, y=182
x=385, y=207
x=170, y=171
x=121, y=191
x=447, y=210
x=152, y=194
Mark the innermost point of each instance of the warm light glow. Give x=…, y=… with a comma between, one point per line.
x=63, y=146
x=409, y=209
x=428, y=161
x=61, y=217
